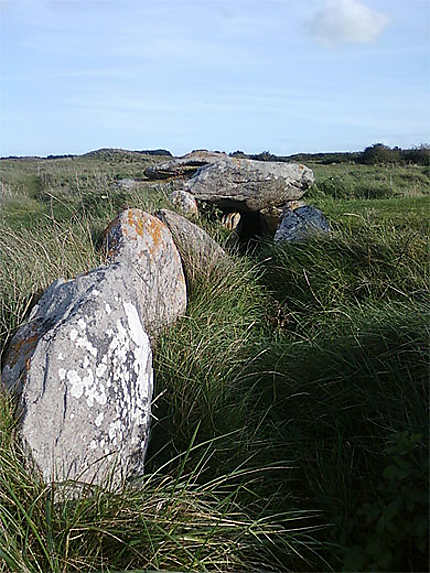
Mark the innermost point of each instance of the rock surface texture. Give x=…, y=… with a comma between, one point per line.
x=185, y=165
x=300, y=223
x=82, y=365
x=199, y=252
x=184, y=201
x=143, y=246
x=246, y=185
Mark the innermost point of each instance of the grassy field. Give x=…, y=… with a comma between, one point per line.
x=291, y=400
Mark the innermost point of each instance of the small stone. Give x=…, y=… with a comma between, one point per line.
x=184, y=201
x=300, y=224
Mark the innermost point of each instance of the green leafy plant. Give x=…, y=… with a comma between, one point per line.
x=390, y=529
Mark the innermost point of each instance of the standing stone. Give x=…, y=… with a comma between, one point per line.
x=144, y=246
x=245, y=185
x=300, y=224
x=86, y=385
x=199, y=252
x=81, y=367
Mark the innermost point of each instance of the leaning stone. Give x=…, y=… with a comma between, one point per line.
x=186, y=165
x=300, y=224
x=245, y=185
x=144, y=246
x=199, y=252
x=82, y=369
x=184, y=201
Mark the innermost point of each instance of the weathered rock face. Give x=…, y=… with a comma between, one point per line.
x=199, y=252
x=301, y=223
x=144, y=247
x=245, y=185
x=183, y=166
x=184, y=201
x=81, y=366
x=85, y=376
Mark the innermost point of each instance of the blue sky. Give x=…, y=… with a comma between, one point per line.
x=278, y=75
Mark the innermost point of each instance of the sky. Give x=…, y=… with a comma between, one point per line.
x=284, y=76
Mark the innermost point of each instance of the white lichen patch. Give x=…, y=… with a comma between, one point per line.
x=101, y=369
x=76, y=384
x=85, y=344
x=115, y=379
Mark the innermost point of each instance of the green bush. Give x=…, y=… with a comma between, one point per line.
x=390, y=529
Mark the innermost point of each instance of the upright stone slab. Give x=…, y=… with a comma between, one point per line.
x=246, y=185
x=81, y=366
x=85, y=380
x=144, y=247
x=199, y=252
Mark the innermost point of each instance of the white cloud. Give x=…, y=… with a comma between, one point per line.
x=347, y=21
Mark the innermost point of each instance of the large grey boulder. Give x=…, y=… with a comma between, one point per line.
x=199, y=252
x=86, y=383
x=300, y=224
x=245, y=185
x=81, y=367
x=183, y=166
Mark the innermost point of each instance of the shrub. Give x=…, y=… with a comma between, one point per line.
x=390, y=527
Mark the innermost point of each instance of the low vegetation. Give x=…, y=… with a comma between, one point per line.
x=290, y=419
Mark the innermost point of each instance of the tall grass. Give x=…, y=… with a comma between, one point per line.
x=290, y=417
x=168, y=520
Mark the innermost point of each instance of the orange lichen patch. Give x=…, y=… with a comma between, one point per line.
x=155, y=229
x=21, y=348
x=133, y=224
x=135, y=221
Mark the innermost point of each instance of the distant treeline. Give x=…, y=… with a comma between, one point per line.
x=374, y=154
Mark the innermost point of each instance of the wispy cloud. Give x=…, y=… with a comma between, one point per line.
x=347, y=21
